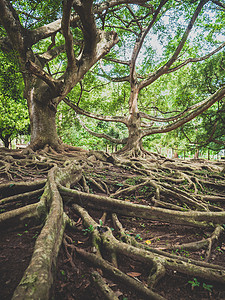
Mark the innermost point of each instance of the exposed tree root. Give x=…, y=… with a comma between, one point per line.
x=105, y=290
x=165, y=192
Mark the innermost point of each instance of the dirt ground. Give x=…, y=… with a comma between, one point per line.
x=73, y=275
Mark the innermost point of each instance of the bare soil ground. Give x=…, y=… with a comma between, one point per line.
x=126, y=181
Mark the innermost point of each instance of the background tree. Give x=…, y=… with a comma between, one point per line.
x=193, y=39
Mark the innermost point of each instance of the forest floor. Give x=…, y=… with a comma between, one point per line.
x=137, y=181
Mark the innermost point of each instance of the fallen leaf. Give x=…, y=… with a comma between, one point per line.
x=79, y=221
x=148, y=242
x=112, y=284
x=133, y=274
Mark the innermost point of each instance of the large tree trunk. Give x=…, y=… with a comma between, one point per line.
x=43, y=127
x=134, y=142
x=42, y=113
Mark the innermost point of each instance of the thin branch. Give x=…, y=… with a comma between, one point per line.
x=197, y=59
x=162, y=70
x=140, y=40
x=81, y=111
x=210, y=139
x=101, y=135
x=218, y=95
x=118, y=61
x=111, y=3
x=174, y=118
x=81, y=92
x=219, y=3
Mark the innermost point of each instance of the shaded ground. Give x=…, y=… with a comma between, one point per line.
x=73, y=279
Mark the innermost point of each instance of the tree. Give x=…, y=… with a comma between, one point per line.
x=76, y=34
x=54, y=199
x=181, y=46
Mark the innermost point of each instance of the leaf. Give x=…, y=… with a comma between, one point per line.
x=133, y=274
x=148, y=242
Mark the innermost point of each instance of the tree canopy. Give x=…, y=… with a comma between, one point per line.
x=143, y=46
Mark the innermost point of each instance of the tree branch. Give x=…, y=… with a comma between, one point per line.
x=118, y=61
x=101, y=135
x=218, y=95
x=154, y=76
x=50, y=54
x=197, y=59
x=67, y=6
x=44, y=32
x=219, y=3
x=174, y=118
x=34, y=69
x=140, y=40
x=15, y=31
x=81, y=111
x=90, y=33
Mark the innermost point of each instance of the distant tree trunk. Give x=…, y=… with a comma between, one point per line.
x=175, y=155
x=6, y=140
x=208, y=154
x=196, y=154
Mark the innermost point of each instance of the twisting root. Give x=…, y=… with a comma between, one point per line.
x=151, y=191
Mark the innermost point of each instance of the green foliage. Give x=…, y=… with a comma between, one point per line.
x=88, y=230
x=166, y=97
x=194, y=282
x=14, y=118
x=207, y=287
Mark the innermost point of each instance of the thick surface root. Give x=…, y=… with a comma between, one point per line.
x=132, y=221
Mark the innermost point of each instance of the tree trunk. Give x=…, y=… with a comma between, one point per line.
x=134, y=141
x=175, y=154
x=196, y=154
x=6, y=140
x=43, y=127
x=208, y=154
x=42, y=113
